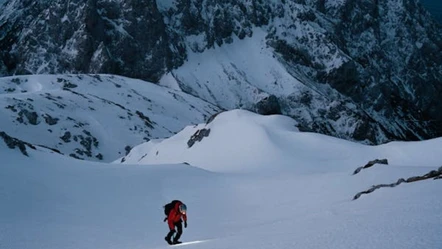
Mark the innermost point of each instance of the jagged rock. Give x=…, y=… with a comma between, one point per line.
x=198, y=136
x=377, y=161
x=127, y=149
x=373, y=188
x=401, y=180
x=75, y=156
x=146, y=119
x=120, y=37
x=52, y=149
x=11, y=107
x=371, y=163
x=431, y=174
x=87, y=142
x=66, y=83
x=32, y=117
x=66, y=137
x=435, y=174
x=268, y=106
x=415, y=178
x=14, y=142
x=50, y=120
x=362, y=79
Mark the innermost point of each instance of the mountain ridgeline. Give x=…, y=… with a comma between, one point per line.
x=371, y=71
x=434, y=7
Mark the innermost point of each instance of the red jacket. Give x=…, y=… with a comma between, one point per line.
x=175, y=216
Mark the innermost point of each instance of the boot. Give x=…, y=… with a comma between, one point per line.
x=168, y=240
x=176, y=238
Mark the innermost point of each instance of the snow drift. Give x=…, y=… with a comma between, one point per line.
x=50, y=201
x=240, y=140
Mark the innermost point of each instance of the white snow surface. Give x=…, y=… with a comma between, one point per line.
x=112, y=111
x=236, y=74
x=269, y=139
x=52, y=201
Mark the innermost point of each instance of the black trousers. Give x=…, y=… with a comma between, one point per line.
x=179, y=229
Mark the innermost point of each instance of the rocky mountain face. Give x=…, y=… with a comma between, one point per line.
x=119, y=37
x=395, y=70
x=363, y=70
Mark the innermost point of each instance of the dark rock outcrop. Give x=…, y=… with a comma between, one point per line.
x=146, y=119
x=50, y=120
x=389, y=58
x=434, y=174
x=31, y=117
x=211, y=118
x=198, y=136
x=268, y=106
x=14, y=142
x=371, y=163
x=66, y=137
x=87, y=36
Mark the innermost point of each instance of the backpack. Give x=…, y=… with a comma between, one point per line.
x=168, y=207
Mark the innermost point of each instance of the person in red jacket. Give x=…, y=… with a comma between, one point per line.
x=176, y=216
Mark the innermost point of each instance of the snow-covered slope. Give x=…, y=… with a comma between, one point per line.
x=95, y=117
x=240, y=140
x=246, y=74
x=50, y=201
